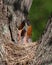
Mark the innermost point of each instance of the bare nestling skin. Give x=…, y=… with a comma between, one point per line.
x=19, y=35
x=25, y=38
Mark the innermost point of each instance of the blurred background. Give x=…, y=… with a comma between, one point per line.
x=38, y=15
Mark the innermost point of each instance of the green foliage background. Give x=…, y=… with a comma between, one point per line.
x=38, y=15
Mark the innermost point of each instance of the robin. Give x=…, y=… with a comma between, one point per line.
x=25, y=31
x=29, y=30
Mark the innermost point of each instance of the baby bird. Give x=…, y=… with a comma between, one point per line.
x=20, y=29
x=25, y=31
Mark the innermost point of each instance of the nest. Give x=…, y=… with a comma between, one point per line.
x=19, y=54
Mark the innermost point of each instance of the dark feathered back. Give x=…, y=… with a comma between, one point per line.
x=21, y=25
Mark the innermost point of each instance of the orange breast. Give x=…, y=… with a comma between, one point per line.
x=29, y=31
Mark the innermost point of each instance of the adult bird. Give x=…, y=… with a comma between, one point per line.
x=25, y=31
